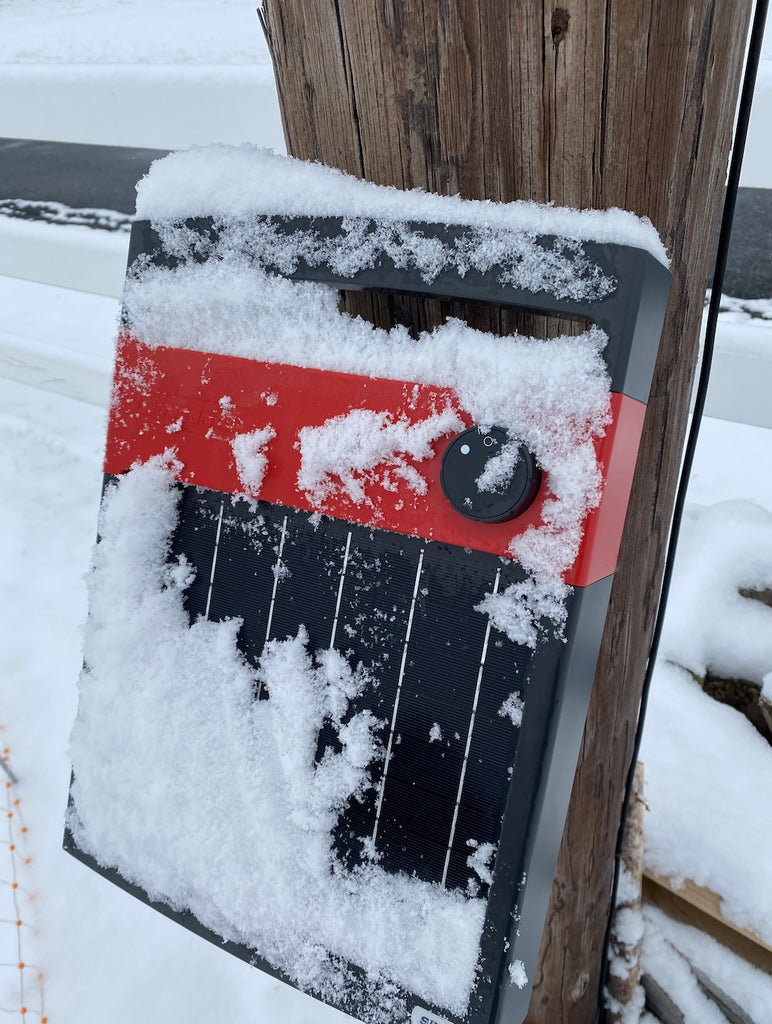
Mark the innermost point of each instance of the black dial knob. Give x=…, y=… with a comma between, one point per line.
x=488, y=477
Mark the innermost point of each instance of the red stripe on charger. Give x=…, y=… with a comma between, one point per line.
x=197, y=403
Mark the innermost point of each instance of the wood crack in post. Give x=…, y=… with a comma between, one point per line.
x=547, y=113
x=348, y=72
x=603, y=112
x=481, y=82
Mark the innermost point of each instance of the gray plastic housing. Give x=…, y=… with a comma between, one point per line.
x=560, y=672
x=631, y=314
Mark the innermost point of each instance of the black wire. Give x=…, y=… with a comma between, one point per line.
x=727, y=217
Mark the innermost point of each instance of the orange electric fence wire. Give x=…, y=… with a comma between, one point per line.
x=21, y=982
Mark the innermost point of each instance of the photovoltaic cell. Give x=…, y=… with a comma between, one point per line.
x=243, y=577
x=438, y=681
x=308, y=579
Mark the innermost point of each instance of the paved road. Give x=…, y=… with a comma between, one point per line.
x=97, y=177
x=749, y=268
x=103, y=177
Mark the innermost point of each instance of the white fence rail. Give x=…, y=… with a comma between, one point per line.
x=83, y=259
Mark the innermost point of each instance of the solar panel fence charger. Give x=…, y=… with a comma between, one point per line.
x=349, y=589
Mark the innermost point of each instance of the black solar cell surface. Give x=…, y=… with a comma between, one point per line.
x=405, y=609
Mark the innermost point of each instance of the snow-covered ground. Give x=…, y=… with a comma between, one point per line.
x=135, y=73
x=172, y=73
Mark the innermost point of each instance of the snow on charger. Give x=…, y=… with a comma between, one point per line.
x=401, y=456
x=398, y=455
x=500, y=468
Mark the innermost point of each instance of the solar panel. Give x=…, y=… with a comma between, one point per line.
x=478, y=733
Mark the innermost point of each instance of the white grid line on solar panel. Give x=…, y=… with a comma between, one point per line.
x=214, y=559
x=403, y=662
x=276, y=575
x=472, y=718
x=340, y=589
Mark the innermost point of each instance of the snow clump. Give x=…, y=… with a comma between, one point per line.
x=249, y=452
x=214, y=802
x=517, y=974
x=513, y=708
x=350, y=452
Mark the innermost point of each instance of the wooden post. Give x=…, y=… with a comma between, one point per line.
x=624, y=984
x=586, y=103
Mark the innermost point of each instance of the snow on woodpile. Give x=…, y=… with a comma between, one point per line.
x=701, y=754
x=714, y=624
x=672, y=954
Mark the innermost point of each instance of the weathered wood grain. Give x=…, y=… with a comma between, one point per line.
x=589, y=103
x=623, y=983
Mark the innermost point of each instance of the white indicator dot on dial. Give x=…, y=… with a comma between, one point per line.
x=465, y=449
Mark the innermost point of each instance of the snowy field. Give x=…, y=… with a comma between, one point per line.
x=104, y=956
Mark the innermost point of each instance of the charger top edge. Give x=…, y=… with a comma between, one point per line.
x=239, y=181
